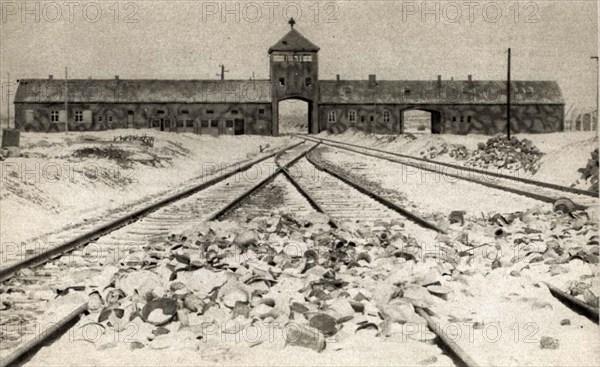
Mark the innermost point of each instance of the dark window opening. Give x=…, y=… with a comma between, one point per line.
x=468, y=118
x=234, y=112
x=229, y=123
x=308, y=82
x=453, y=118
x=371, y=118
x=214, y=123
x=99, y=118
x=130, y=112
x=110, y=118
x=185, y=112
x=209, y=112
x=204, y=123
x=160, y=112
x=261, y=111
x=281, y=81
x=362, y=119
x=462, y=119
x=54, y=116
x=78, y=116
x=407, y=92
x=180, y=123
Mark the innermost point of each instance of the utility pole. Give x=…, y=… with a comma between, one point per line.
x=223, y=71
x=66, y=102
x=597, y=92
x=508, y=98
x=8, y=101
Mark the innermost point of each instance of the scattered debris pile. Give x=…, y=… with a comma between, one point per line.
x=295, y=281
x=456, y=151
x=513, y=154
x=589, y=173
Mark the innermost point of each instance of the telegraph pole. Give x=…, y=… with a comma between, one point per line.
x=66, y=102
x=8, y=101
x=508, y=98
x=223, y=71
x=597, y=93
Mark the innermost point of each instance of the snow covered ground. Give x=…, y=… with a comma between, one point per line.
x=64, y=179
x=564, y=152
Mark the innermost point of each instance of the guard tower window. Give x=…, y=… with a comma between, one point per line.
x=282, y=81
x=261, y=111
x=351, y=116
x=54, y=116
x=278, y=58
x=307, y=58
x=386, y=116
x=308, y=82
x=331, y=116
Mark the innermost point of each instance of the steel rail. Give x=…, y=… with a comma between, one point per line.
x=413, y=217
x=574, y=303
x=548, y=185
x=42, y=257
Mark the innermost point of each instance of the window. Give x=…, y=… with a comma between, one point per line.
x=160, y=112
x=110, y=118
x=184, y=112
x=209, y=112
x=282, y=81
x=229, y=123
x=308, y=82
x=180, y=123
x=278, y=58
x=214, y=123
x=234, y=112
x=351, y=116
x=362, y=119
x=386, y=116
x=462, y=119
x=99, y=118
x=331, y=116
x=78, y=116
x=130, y=113
x=468, y=118
x=407, y=92
x=261, y=111
x=54, y=116
x=307, y=58
x=371, y=118
x=453, y=118
x=204, y=123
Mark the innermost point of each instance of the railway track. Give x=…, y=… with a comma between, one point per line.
x=28, y=285
x=293, y=181
x=537, y=190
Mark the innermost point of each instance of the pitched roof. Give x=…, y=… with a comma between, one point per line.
x=294, y=41
x=144, y=91
x=427, y=92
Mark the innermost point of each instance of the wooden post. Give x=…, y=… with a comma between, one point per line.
x=8, y=102
x=66, y=102
x=508, y=98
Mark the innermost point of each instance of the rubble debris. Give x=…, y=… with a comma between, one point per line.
x=589, y=173
x=456, y=151
x=500, y=153
x=547, y=342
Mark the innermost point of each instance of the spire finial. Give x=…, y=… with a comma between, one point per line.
x=292, y=22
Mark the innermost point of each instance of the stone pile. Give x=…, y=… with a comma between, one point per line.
x=589, y=173
x=456, y=151
x=499, y=152
x=284, y=280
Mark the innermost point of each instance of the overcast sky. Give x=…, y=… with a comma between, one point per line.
x=550, y=40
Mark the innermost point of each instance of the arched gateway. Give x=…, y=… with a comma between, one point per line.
x=295, y=75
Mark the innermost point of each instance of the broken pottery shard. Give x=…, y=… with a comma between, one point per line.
x=246, y=238
x=547, y=342
x=306, y=337
x=341, y=310
x=159, y=311
x=142, y=281
x=324, y=323
x=202, y=280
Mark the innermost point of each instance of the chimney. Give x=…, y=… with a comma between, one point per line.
x=439, y=83
x=372, y=80
x=50, y=77
x=337, y=77
x=470, y=77
x=116, y=77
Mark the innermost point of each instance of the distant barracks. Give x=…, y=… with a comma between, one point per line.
x=251, y=106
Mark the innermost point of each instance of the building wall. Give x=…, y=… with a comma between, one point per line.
x=255, y=118
x=449, y=119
